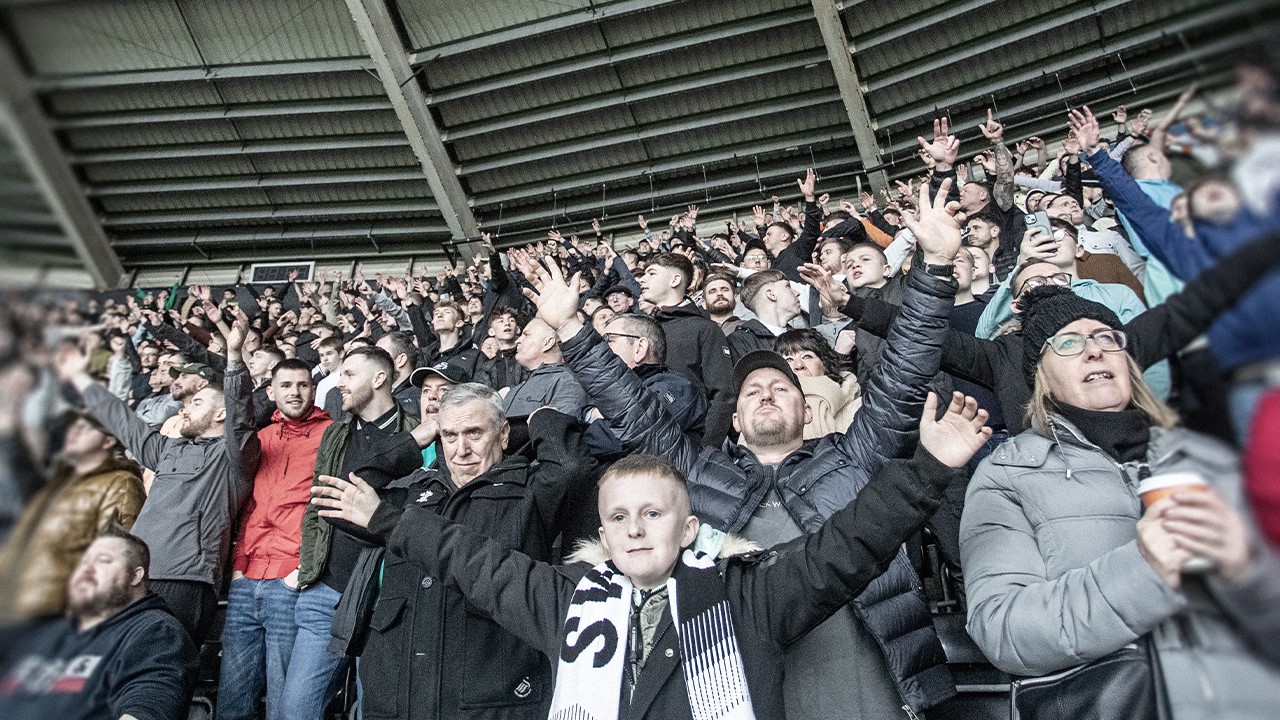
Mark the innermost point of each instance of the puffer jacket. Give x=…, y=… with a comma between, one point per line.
x=819, y=478
x=59, y=524
x=1055, y=579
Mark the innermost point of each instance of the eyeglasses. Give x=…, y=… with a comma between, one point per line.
x=609, y=336
x=1070, y=344
x=754, y=258
x=1059, y=279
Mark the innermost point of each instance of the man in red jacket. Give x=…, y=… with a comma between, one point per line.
x=258, y=638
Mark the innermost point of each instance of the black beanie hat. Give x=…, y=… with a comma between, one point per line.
x=1045, y=311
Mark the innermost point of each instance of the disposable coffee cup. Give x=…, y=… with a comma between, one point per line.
x=1158, y=487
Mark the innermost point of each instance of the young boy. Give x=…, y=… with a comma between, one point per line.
x=660, y=629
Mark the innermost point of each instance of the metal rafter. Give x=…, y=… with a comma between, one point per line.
x=255, y=235
x=248, y=147
x=51, y=83
x=377, y=29
x=851, y=93
x=221, y=112
x=47, y=165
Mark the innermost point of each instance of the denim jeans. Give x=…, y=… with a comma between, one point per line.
x=1243, y=399
x=257, y=640
x=315, y=674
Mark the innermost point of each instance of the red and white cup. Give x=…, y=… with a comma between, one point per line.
x=1158, y=487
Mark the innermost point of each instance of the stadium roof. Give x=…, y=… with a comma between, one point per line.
x=170, y=133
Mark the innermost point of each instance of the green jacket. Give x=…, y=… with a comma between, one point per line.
x=316, y=533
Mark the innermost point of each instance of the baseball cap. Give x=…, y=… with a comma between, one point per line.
x=759, y=359
x=195, y=368
x=455, y=375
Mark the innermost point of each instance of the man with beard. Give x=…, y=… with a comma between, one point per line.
x=718, y=292
x=338, y=563
x=262, y=626
x=200, y=481
x=188, y=380
x=119, y=653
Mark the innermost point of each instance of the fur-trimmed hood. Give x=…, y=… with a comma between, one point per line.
x=726, y=545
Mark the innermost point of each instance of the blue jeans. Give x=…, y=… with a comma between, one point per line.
x=315, y=674
x=257, y=640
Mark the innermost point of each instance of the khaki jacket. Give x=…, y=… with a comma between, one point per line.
x=56, y=528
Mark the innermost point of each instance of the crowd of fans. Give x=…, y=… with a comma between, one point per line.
x=685, y=474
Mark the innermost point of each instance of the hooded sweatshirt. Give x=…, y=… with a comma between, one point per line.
x=139, y=662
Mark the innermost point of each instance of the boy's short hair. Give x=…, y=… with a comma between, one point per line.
x=752, y=286
x=650, y=465
x=871, y=246
x=679, y=263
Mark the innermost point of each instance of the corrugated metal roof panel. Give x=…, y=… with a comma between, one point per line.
x=692, y=102
x=555, y=89
x=354, y=192
x=184, y=201
x=814, y=116
x=563, y=165
x=513, y=56
x=336, y=160
x=1139, y=14
x=986, y=66
x=300, y=87
x=542, y=133
x=685, y=16
x=233, y=31
x=103, y=36
x=718, y=54
x=133, y=97
x=168, y=169
x=151, y=134
x=373, y=121
x=867, y=18
x=432, y=22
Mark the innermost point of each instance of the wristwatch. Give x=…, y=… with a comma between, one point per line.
x=942, y=271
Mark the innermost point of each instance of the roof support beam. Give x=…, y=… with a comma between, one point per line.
x=851, y=93
x=48, y=167
x=51, y=83
x=276, y=212
x=323, y=232
x=222, y=112
x=378, y=31
x=255, y=182
x=248, y=147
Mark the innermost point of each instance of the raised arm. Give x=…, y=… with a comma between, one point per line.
x=1167, y=328
x=137, y=436
x=817, y=575
x=1002, y=190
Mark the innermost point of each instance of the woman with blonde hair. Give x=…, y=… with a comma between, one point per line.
x=1115, y=610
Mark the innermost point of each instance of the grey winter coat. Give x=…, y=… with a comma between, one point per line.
x=1054, y=577
x=816, y=480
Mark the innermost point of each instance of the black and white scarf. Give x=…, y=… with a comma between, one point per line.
x=593, y=650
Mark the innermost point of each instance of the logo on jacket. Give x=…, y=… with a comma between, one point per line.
x=424, y=497
x=37, y=675
x=524, y=688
